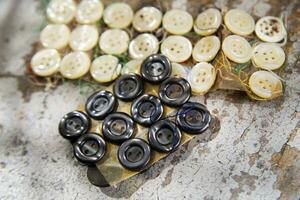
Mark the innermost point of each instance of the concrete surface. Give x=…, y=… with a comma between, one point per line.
x=255, y=155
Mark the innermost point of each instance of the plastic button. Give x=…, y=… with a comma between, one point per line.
x=143, y=46
x=208, y=22
x=61, y=11
x=55, y=36
x=89, y=11
x=147, y=19
x=118, y=15
x=114, y=41
x=206, y=49
x=177, y=22
x=84, y=38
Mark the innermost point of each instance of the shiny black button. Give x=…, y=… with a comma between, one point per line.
x=74, y=124
x=156, y=68
x=164, y=136
x=146, y=110
x=193, y=118
x=118, y=127
x=134, y=154
x=129, y=86
x=175, y=92
x=100, y=104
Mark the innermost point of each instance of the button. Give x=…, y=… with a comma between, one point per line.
x=206, y=49
x=164, y=136
x=75, y=65
x=45, y=62
x=143, y=46
x=147, y=19
x=55, y=36
x=193, y=118
x=265, y=84
x=89, y=148
x=89, y=11
x=237, y=49
x=177, y=48
x=118, y=15
x=175, y=92
x=114, y=41
x=156, y=68
x=74, y=125
x=118, y=127
x=61, y=11
x=269, y=56
x=239, y=22
x=208, y=22
x=270, y=29
x=100, y=104
x=179, y=71
x=132, y=67
x=105, y=68
x=134, y=154
x=177, y=22
x=202, y=77
x=146, y=110
x=84, y=38
x=128, y=87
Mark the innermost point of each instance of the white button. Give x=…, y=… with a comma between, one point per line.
x=118, y=15
x=55, y=36
x=208, y=22
x=143, y=46
x=202, y=77
x=84, y=38
x=105, y=68
x=132, y=67
x=45, y=62
x=75, y=65
x=61, y=11
x=265, y=85
x=176, y=48
x=206, y=49
x=237, y=49
x=114, y=41
x=269, y=56
x=270, y=29
x=89, y=11
x=239, y=22
x=179, y=71
x=147, y=19
x=177, y=22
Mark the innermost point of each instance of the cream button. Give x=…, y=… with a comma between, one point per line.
x=177, y=22
x=55, y=36
x=75, y=65
x=179, y=71
x=114, y=41
x=84, y=38
x=147, y=19
x=89, y=11
x=45, y=62
x=176, y=48
x=61, y=11
x=239, y=22
x=132, y=67
x=143, y=46
x=206, y=49
x=118, y=15
x=208, y=22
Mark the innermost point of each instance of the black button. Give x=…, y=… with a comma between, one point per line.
x=156, y=68
x=193, y=118
x=118, y=127
x=164, y=136
x=134, y=154
x=146, y=110
x=128, y=87
x=175, y=92
x=89, y=148
x=100, y=104
x=74, y=124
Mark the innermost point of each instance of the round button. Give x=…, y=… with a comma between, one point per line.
x=118, y=127
x=55, y=36
x=61, y=12
x=114, y=41
x=89, y=11
x=193, y=118
x=156, y=68
x=118, y=15
x=179, y=71
x=128, y=87
x=134, y=154
x=175, y=92
x=239, y=22
x=237, y=49
x=208, y=22
x=177, y=48
x=100, y=104
x=143, y=46
x=45, y=62
x=206, y=49
x=147, y=19
x=146, y=110
x=89, y=148
x=177, y=22
x=84, y=38
x=132, y=67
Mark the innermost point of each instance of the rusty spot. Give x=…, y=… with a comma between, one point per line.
x=168, y=177
x=245, y=180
